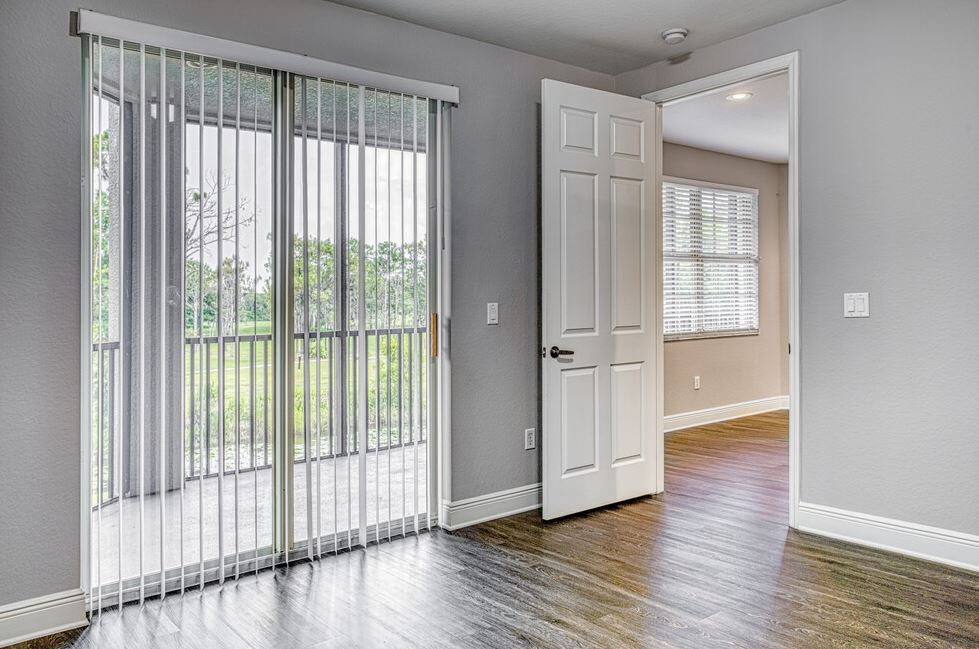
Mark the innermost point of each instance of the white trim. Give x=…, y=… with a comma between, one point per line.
x=91, y=22
x=719, y=81
x=441, y=472
x=85, y=317
x=788, y=63
x=921, y=541
x=41, y=616
x=470, y=511
x=706, y=416
x=660, y=351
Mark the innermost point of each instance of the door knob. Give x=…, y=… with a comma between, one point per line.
x=557, y=351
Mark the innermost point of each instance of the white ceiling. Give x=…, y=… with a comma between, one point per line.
x=610, y=36
x=757, y=128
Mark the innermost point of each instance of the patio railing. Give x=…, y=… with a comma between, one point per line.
x=394, y=417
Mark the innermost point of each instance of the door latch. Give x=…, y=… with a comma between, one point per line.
x=557, y=352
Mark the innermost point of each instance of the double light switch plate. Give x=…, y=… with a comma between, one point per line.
x=856, y=305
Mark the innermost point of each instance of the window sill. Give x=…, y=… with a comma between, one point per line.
x=708, y=336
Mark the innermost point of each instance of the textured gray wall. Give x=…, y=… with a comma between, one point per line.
x=495, y=245
x=889, y=168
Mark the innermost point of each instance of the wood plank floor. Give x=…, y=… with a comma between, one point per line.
x=709, y=563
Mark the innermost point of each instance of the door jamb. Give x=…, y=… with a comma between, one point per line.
x=787, y=63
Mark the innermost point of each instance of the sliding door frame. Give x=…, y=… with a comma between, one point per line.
x=437, y=374
x=85, y=280
x=283, y=469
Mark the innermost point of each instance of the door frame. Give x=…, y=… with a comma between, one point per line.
x=789, y=64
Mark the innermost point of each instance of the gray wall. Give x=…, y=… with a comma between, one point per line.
x=889, y=168
x=495, y=245
x=737, y=368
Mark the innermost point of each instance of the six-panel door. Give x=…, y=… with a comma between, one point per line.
x=598, y=260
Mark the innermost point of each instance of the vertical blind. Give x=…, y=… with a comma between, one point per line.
x=260, y=374
x=710, y=260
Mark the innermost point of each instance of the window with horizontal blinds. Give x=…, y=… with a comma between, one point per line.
x=710, y=260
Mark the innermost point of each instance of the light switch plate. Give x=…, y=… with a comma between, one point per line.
x=856, y=305
x=492, y=313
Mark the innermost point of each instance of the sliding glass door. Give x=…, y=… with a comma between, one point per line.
x=260, y=371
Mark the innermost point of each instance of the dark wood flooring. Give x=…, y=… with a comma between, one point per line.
x=709, y=564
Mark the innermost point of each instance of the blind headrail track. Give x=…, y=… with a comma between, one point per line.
x=99, y=24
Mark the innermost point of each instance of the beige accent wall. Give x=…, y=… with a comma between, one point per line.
x=743, y=368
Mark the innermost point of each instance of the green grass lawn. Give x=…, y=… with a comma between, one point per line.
x=247, y=358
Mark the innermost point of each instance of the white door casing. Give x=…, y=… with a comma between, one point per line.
x=600, y=266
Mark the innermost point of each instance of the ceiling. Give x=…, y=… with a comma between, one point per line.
x=757, y=128
x=603, y=35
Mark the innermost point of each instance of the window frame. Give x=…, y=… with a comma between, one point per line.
x=729, y=333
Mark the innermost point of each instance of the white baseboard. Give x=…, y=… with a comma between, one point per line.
x=723, y=413
x=41, y=616
x=931, y=543
x=463, y=513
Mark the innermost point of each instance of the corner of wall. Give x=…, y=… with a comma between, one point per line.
x=636, y=82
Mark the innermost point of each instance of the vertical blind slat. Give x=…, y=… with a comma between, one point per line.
x=162, y=105
x=102, y=333
x=219, y=320
x=182, y=111
x=360, y=369
x=203, y=388
x=237, y=287
x=317, y=312
x=123, y=342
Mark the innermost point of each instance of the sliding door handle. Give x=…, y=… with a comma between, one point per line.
x=557, y=352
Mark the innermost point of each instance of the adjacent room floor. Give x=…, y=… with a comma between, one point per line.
x=710, y=563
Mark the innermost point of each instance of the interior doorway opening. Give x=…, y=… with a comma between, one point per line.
x=728, y=209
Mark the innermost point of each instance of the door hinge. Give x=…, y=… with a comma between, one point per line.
x=434, y=334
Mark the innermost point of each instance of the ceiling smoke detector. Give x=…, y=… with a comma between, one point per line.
x=674, y=36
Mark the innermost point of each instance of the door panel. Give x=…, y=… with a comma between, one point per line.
x=579, y=230
x=627, y=418
x=579, y=425
x=628, y=256
x=598, y=257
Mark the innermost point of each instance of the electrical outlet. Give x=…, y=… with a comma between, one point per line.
x=530, y=439
x=696, y=382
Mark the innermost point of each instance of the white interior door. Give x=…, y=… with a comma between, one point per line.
x=599, y=319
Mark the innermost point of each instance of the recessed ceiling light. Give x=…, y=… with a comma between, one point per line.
x=674, y=35
x=740, y=96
